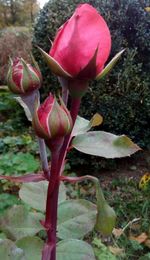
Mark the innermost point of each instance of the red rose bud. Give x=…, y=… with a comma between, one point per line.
x=82, y=45
x=51, y=119
x=80, y=49
x=22, y=78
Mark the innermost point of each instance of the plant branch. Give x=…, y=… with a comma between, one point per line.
x=65, y=92
x=99, y=193
x=29, y=100
x=49, y=251
x=57, y=164
x=43, y=157
x=75, y=105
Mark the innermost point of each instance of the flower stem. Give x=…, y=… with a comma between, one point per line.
x=43, y=157
x=49, y=251
x=75, y=105
x=65, y=92
x=29, y=100
x=57, y=164
x=99, y=193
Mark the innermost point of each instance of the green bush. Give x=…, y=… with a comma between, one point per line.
x=12, y=118
x=123, y=97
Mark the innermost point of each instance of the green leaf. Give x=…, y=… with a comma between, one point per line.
x=25, y=107
x=110, y=65
x=105, y=144
x=82, y=125
x=145, y=257
x=7, y=200
x=11, y=163
x=73, y=249
x=25, y=162
x=2, y=236
x=18, y=222
x=9, y=251
x=35, y=194
x=32, y=247
x=101, y=251
x=76, y=218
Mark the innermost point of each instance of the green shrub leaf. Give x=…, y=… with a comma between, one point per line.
x=101, y=251
x=82, y=125
x=11, y=163
x=18, y=222
x=105, y=144
x=35, y=194
x=9, y=251
x=32, y=247
x=76, y=218
x=25, y=107
x=74, y=249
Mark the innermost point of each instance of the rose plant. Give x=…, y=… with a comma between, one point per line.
x=77, y=55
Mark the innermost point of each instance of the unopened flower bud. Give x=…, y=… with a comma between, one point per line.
x=52, y=120
x=22, y=78
x=106, y=219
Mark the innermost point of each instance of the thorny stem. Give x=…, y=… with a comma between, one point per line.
x=49, y=251
x=57, y=164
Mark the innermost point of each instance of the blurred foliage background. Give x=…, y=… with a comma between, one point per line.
x=122, y=98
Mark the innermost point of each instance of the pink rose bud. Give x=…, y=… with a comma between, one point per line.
x=82, y=45
x=22, y=78
x=51, y=119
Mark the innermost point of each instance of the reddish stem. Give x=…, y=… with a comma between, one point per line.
x=49, y=251
x=57, y=164
x=75, y=105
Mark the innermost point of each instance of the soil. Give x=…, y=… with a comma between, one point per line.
x=132, y=167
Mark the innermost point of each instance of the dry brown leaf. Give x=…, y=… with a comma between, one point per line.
x=116, y=250
x=117, y=232
x=140, y=239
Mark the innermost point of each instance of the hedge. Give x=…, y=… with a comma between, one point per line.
x=123, y=97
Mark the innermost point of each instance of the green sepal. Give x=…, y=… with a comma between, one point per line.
x=26, y=76
x=11, y=85
x=29, y=77
x=109, y=66
x=10, y=61
x=35, y=64
x=36, y=123
x=54, y=65
x=70, y=123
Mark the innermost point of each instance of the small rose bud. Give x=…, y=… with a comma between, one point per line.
x=51, y=119
x=22, y=78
